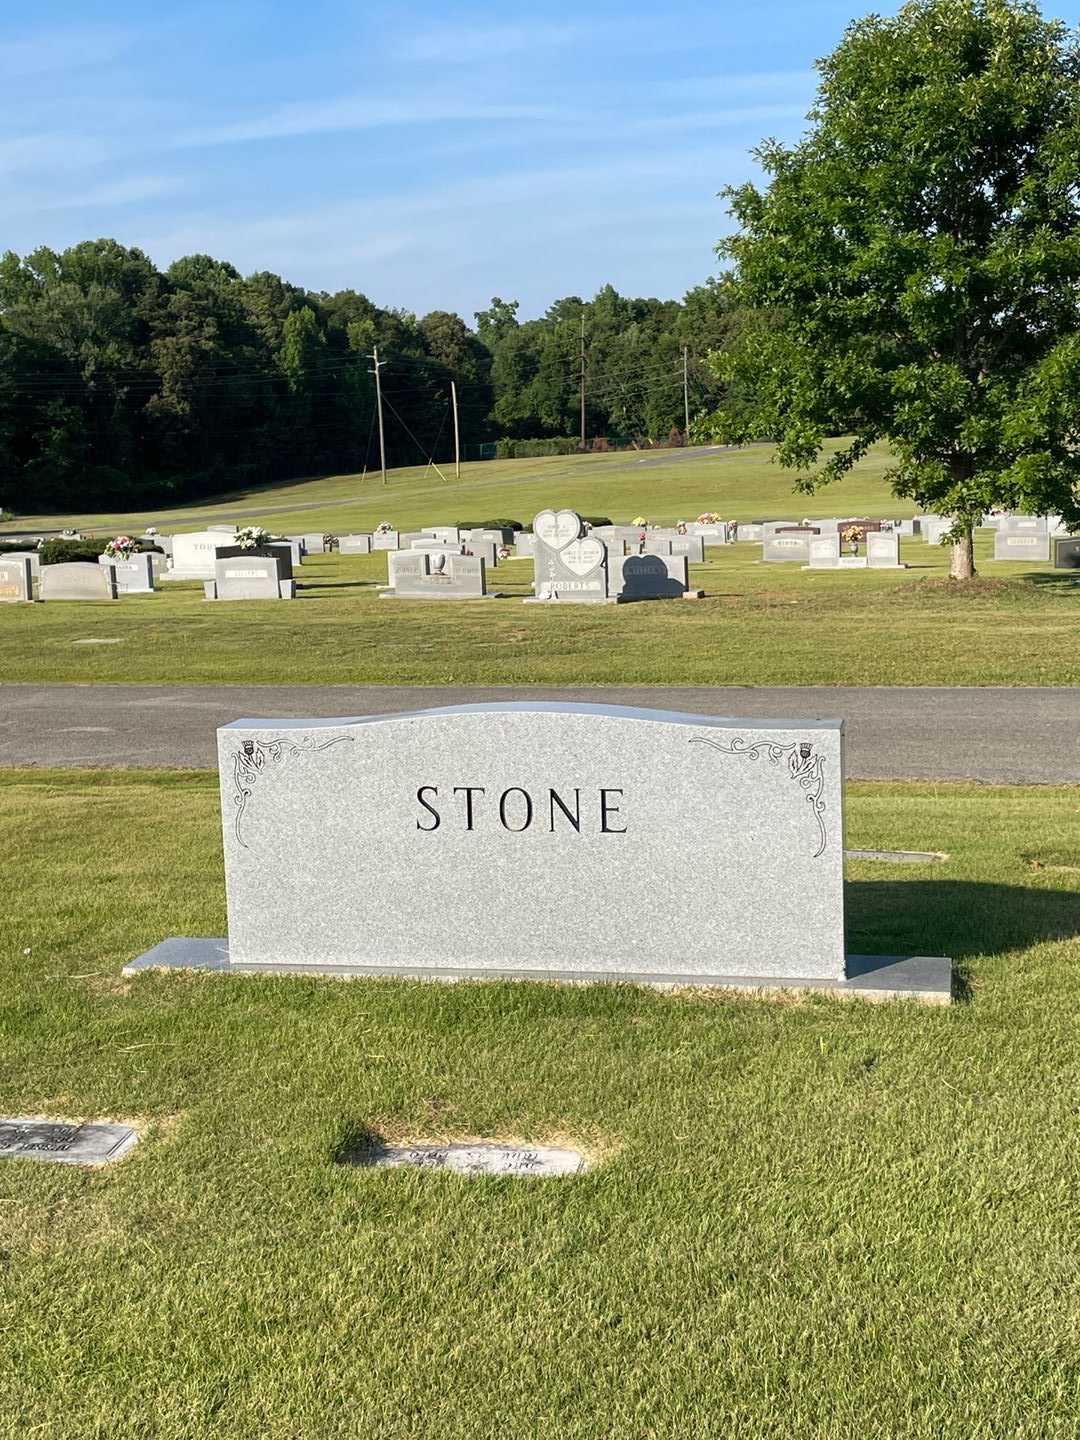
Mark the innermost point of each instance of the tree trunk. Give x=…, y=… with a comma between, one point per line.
x=962, y=563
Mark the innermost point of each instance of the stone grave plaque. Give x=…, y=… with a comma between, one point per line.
x=478, y=1159
x=34, y=556
x=1067, y=553
x=62, y=1143
x=78, y=580
x=194, y=554
x=823, y=552
x=787, y=546
x=883, y=550
x=250, y=577
x=692, y=546
x=436, y=575
x=750, y=530
x=16, y=579
x=134, y=576
x=387, y=540
x=487, y=550
x=281, y=551
x=354, y=545
x=649, y=577
x=568, y=565
x=1014, y=544
x=448, y=534
x=523, y=546
x=367, y=846
x=314, y=543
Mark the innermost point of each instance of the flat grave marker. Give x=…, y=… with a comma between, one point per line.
x=527, y=1161
x=62, y=1143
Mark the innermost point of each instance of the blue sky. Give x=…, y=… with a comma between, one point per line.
x=429, y=155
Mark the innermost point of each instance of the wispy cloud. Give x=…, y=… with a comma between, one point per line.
x=463, y=44
x=49, y=152
x=117, y=192
x=49, y=51
x=357, y=112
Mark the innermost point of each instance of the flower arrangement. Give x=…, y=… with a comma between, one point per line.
x=640, y=522
x=121, y=547
x=251, y=537
x=851, y=537
x=680, y=527
x=383, y=528
x=505, y=552
x=150, y=530
x=707, y=518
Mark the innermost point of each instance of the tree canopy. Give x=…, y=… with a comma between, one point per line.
x=911, y=271
x=123, y=385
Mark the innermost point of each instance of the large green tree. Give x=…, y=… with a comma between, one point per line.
x=915, y=262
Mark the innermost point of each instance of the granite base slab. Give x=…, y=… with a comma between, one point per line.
x=387, y=592
x=927, y=978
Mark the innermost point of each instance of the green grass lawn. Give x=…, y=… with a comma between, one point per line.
x=760, y=625
x=822, y=1219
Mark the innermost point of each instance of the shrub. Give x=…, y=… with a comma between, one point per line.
x=534, y=449
x=488, y=524
x=61, y=552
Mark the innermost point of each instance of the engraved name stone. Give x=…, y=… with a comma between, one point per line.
x=64, y=1144
x=535, y=1161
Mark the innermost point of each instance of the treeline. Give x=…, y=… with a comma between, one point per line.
x=123, y=385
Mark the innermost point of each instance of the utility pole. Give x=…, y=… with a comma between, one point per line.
x=583, y=379
x=378, y=402
x=457, y=437
x=686, y=395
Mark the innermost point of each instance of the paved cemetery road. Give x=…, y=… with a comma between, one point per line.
x=1008, y=736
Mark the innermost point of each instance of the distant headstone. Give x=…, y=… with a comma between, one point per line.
x=692, y=546
x=1067, y=553
x=134, y=576
x=787, y=545
x=487, y=550
x=502, y=536
x=648, y=577
x=933, y=527
x=428, y=575
x=315, y=543
x=78, y=580
x=62, y=1143
x=523, y=546
x=34, y=556
x=1030, y=544
x=823, y=552
x=194, y=554
x=752, y=531
x=249, y=577
x=577, y=811
x=478, y=1159
x=16, y=579
x=385, y=540
x=279, y=550
x=883, y=550
x=718, y=533
x=354, y=545
x=567, y=564
x=448, y=534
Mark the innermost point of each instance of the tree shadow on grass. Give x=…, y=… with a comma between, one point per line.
x=1054, y=579
x=957, y=918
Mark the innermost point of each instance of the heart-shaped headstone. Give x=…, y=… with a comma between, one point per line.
x=557, y=530
x=581, y=556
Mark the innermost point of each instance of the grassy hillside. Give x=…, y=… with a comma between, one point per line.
x=663, y=485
